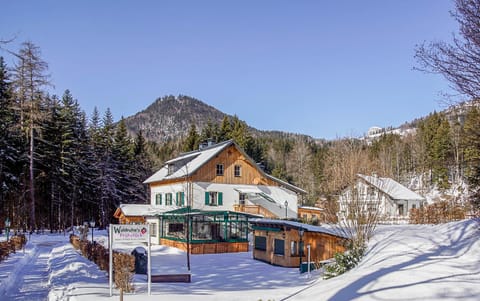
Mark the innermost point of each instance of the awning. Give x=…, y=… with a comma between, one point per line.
x=248, y=190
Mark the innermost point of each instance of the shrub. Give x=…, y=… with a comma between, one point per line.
x=438, y=212
x=124, y=266
x=344, y=262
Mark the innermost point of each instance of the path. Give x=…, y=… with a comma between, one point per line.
x=27, y=273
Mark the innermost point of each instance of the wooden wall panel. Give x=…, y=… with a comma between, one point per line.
x=322, y=247
x=230, y=157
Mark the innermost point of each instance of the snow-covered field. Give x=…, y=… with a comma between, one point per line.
x=407, y=262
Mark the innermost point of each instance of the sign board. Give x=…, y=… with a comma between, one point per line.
x=130, y=233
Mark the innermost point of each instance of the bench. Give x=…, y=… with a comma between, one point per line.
x=171, y=278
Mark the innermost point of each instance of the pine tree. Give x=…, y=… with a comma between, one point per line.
x=240, y=134
x=122, y=155
x=471, y=147
x=442, y=153
x=11, y=163
x=225, y=130
x=192, y=141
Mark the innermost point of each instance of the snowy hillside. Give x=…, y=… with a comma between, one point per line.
x=421, y=262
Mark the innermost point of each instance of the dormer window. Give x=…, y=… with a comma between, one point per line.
x=171, y=169
x=219, y=169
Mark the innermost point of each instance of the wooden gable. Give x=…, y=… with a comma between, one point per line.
x=229, y=158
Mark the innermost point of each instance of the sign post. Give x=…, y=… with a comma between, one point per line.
x=129, y=233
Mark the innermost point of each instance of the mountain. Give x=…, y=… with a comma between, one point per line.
x=170, y=117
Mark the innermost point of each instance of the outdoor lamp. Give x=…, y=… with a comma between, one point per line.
x=92, y=225
x=7, y=226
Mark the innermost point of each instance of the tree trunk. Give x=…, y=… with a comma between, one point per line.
x=32, y=182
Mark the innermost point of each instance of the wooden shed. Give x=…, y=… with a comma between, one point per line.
x=284, y=243
x=135, y=213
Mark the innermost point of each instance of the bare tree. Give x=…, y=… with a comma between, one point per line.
x=458, y=61
x=29, y=79
x=359, y=214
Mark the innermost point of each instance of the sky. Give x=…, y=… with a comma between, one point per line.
x=327, y=69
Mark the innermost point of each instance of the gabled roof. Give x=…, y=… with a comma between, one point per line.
x=188, y=163
x=392, y=188
x=139, y=210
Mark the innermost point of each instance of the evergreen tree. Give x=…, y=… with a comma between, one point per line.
x=192, y=141
x=209, y=132
x=123, y=158
x=225, y=130
x=141, y=169
x=471, y=146
x=442, y=153
x=240, y=134
x=11, y=162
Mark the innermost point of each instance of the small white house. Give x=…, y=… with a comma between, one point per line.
x=391, y=200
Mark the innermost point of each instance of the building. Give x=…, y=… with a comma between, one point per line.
x=286, y=243
x=312, y=215
x=221, y=186
x=135, y=213
x=390, y=200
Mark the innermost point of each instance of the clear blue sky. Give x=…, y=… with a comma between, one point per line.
x=322, y=68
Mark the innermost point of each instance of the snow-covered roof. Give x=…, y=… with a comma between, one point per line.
x=188, y=163
x=306, y=227
x=311, y=208
x=392, y=188
x=140, y=210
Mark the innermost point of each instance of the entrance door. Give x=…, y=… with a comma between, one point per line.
x=400, y=209
x=215, y=229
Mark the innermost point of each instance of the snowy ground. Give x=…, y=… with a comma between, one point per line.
x=407, y=262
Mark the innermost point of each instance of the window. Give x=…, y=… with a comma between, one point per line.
x=293, y=248
x=153, y=229
x=260, y=243
x=158, y=199
x=168, y=199
x=414, y=206
x=177, y=227
x=213, y=198
x=219, y=169
x=241, y=198
x=180, y=198
x=237, y=171
x=279, y=247
x=171, y=169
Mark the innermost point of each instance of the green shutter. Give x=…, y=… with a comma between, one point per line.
x=207, y=198
x=220, y=198
x=176, y=199
x=182, y=198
